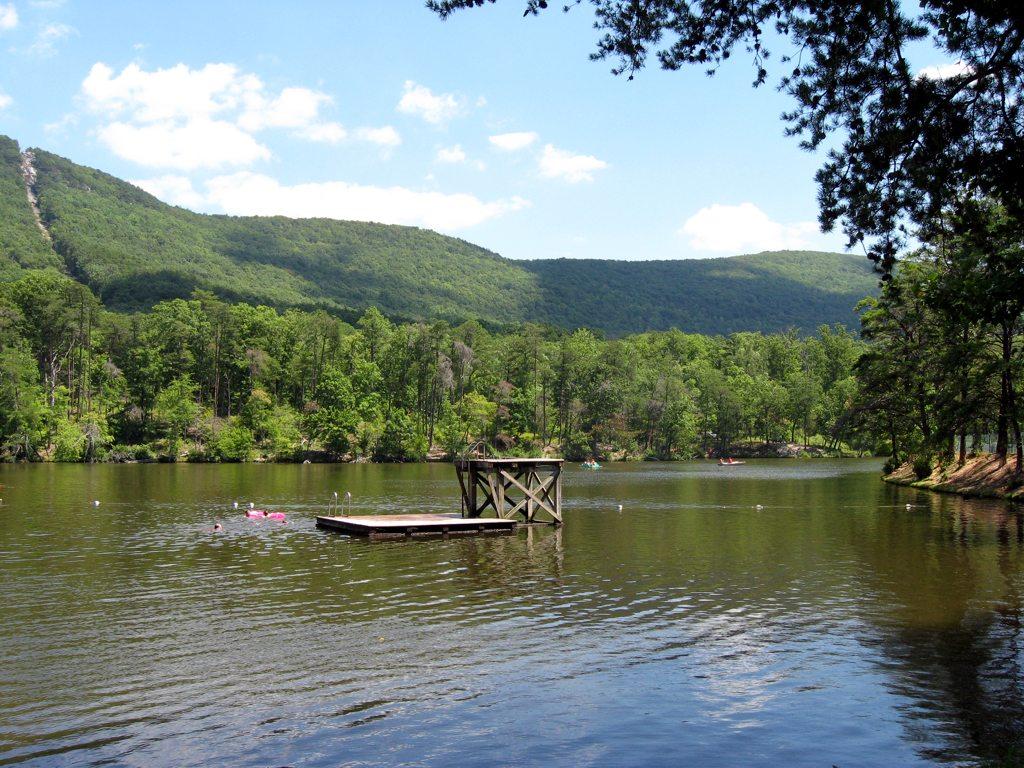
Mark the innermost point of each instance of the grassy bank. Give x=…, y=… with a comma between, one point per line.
x=982, y=477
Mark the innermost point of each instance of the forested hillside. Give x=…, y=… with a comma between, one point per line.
x=134, y=251
x=759, y=292
x=22, y=244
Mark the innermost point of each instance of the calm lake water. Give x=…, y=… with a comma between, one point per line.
x=832, y=627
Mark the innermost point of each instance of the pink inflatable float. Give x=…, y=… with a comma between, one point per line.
x=262, y=513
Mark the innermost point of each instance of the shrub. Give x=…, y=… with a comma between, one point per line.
x=922, y=467
x=68, y=442
x=399, y=441
x=118, y=453
x=576, y=447
x=233, y=443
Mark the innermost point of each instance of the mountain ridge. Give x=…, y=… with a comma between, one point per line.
x=134, y=250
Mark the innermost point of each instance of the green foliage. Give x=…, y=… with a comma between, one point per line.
x=210, y=380
x=333, y=418
x=771, y=291
x=399, y=441
x=283, y=435
x=233, y=443
x=176, y=409
x=22, y=244
x=136, y=252
x=946, y=365
x=69, y=441
x=922, y=467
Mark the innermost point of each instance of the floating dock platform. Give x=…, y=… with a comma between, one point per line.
x=387, y=526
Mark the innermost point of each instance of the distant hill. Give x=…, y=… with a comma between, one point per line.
x=134, y=251
x=769, y=291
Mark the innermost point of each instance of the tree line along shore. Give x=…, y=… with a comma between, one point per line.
x=931, y=381
x=203, y=380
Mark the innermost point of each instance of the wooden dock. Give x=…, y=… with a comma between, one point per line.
x=388, y=526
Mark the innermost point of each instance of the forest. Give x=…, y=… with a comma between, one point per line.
x=201, y=379
x=942, y=377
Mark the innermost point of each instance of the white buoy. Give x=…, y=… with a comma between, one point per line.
x=758, y=507
x=910, y=506
x=251, y=505
x=620, y=507
x=96, y=503
x=236, y=505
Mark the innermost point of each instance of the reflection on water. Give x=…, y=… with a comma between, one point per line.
x=831, y=626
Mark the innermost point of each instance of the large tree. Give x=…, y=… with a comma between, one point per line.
x=905, y=144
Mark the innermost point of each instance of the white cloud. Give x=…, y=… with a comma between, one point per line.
x=744, y=228
x=165, y=94
x=246, y=193
x=510, y=142
x=328, y=133
x=560, y=164
x=8, y=17
x=206, y=117
x=45, y=43
x=945, y=71
x=435, y=108
x=293, y=108
x=5, y=100
x=385, y=136
x=199, y=143
x=451, y=155
x=62, y=124
x=176, y=190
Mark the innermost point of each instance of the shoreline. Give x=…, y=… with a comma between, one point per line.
x=445, y=460
x=981, y=477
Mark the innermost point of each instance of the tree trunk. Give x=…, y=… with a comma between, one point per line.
x=1015, y=421
x=892, y=436
x=922, y=414
x=1005, y=393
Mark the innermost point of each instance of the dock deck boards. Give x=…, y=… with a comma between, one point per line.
x=411, y=525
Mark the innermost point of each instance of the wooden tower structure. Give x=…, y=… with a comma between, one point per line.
x=529, y=490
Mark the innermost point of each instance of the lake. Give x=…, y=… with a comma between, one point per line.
x=835, y=626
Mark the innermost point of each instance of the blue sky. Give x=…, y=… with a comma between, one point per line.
x=489, y=126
